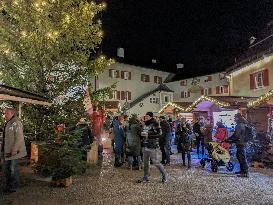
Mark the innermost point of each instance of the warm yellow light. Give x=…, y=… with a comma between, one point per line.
x=103, y=5
x=24, y=33
x=7, y=51
x=43, y=3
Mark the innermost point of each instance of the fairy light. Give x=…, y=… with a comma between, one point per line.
x=24, y=33
x=173, y=105
x=100, y=33
x=262, y=99
x=103, y=5
x=217, y=102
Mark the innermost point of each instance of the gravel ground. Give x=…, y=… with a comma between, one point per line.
x=108, y=185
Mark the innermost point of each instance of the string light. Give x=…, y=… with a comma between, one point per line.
x=103, y=5
x=217, y=102
x=173, y=105
x=24, y=33
x=262, y=99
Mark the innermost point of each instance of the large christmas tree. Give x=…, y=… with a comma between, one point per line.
x=50, y=46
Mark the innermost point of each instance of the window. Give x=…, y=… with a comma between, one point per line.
x=185, y=94
x=145, y=78
x=125, y=75
x=114, y=94
x=157, y=79
x=259, y=79
x=183, y=83
x=166, y=98
x=154, y=100
x=113, y=73
x=128, y=95
x=206, y=91
x=208, y=78
x=222, y=89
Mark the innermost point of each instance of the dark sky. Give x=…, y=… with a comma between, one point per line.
x=204, y=35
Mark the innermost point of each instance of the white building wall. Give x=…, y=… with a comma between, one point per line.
x=217, y=79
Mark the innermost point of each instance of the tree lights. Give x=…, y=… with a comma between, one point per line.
x=262, y=99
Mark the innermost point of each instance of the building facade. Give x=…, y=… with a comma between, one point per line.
x=188, y=90
x=140, y=90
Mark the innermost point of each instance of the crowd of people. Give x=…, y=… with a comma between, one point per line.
x=141, y=141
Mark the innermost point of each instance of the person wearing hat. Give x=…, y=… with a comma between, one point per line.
x=151, y=133
x=164, y=141
x=238, y=138
x=13, y=148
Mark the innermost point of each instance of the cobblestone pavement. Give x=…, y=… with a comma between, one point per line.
x=109, y=185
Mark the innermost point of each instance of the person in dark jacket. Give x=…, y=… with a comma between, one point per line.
x=164, y=140
x=151, y=133
x=86, y=134
x=199, y=137
x=183, y=138
x=118, y=140
x=132, y=132
x=238, y=138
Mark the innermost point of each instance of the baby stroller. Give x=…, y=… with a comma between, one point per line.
x=218, y=156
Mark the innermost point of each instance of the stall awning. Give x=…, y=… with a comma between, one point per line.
x=179, y=106
x=112, y=106
x=267, y=98
x=8, y=93
x=229, y=102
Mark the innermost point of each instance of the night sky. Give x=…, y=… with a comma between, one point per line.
x=204, y=35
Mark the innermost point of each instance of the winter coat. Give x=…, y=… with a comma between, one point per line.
x=166, y=130
x=118, y=136
x=182, y=136
x=208, y=133
x=221, y=133
x=154, y=132
x=14, y=139
x=133, y=142
x=197, y=130
x=86, y=134
x=238, y=136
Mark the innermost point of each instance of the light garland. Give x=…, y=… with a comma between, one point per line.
x=173, y=105
x=261, y=99
x=217, y=102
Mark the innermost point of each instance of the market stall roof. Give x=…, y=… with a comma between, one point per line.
x=266, y=98
x=222, y=101
x=112, y=106
x=8, y=93
x=180, y=106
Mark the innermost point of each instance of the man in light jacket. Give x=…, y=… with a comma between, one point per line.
x=13, y=148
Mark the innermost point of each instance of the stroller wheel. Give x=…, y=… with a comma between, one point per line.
x=214, y=166
x=230, y=166
x=203, y=163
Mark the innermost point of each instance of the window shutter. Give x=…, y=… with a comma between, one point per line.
x=130, y=76
x=118, y=95
x=209, y=78
x=182, y=94
x=160, y=80
x=252, y=81
x=142, y=77
x=218, y=90
x=265, y=77
x=226, y=89
x=110, y=73
x=155, y=79
x=122, y=74
x=129, y=95
x=122, y=95
x=210, y=91
x=202, y=92
x=117, y=73
x=148, y=78
x=189, y=93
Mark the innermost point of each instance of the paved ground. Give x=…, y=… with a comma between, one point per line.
x=108, y=185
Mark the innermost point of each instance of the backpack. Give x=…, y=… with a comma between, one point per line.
x=250, y=133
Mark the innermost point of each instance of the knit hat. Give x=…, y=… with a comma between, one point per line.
x=150, y=114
